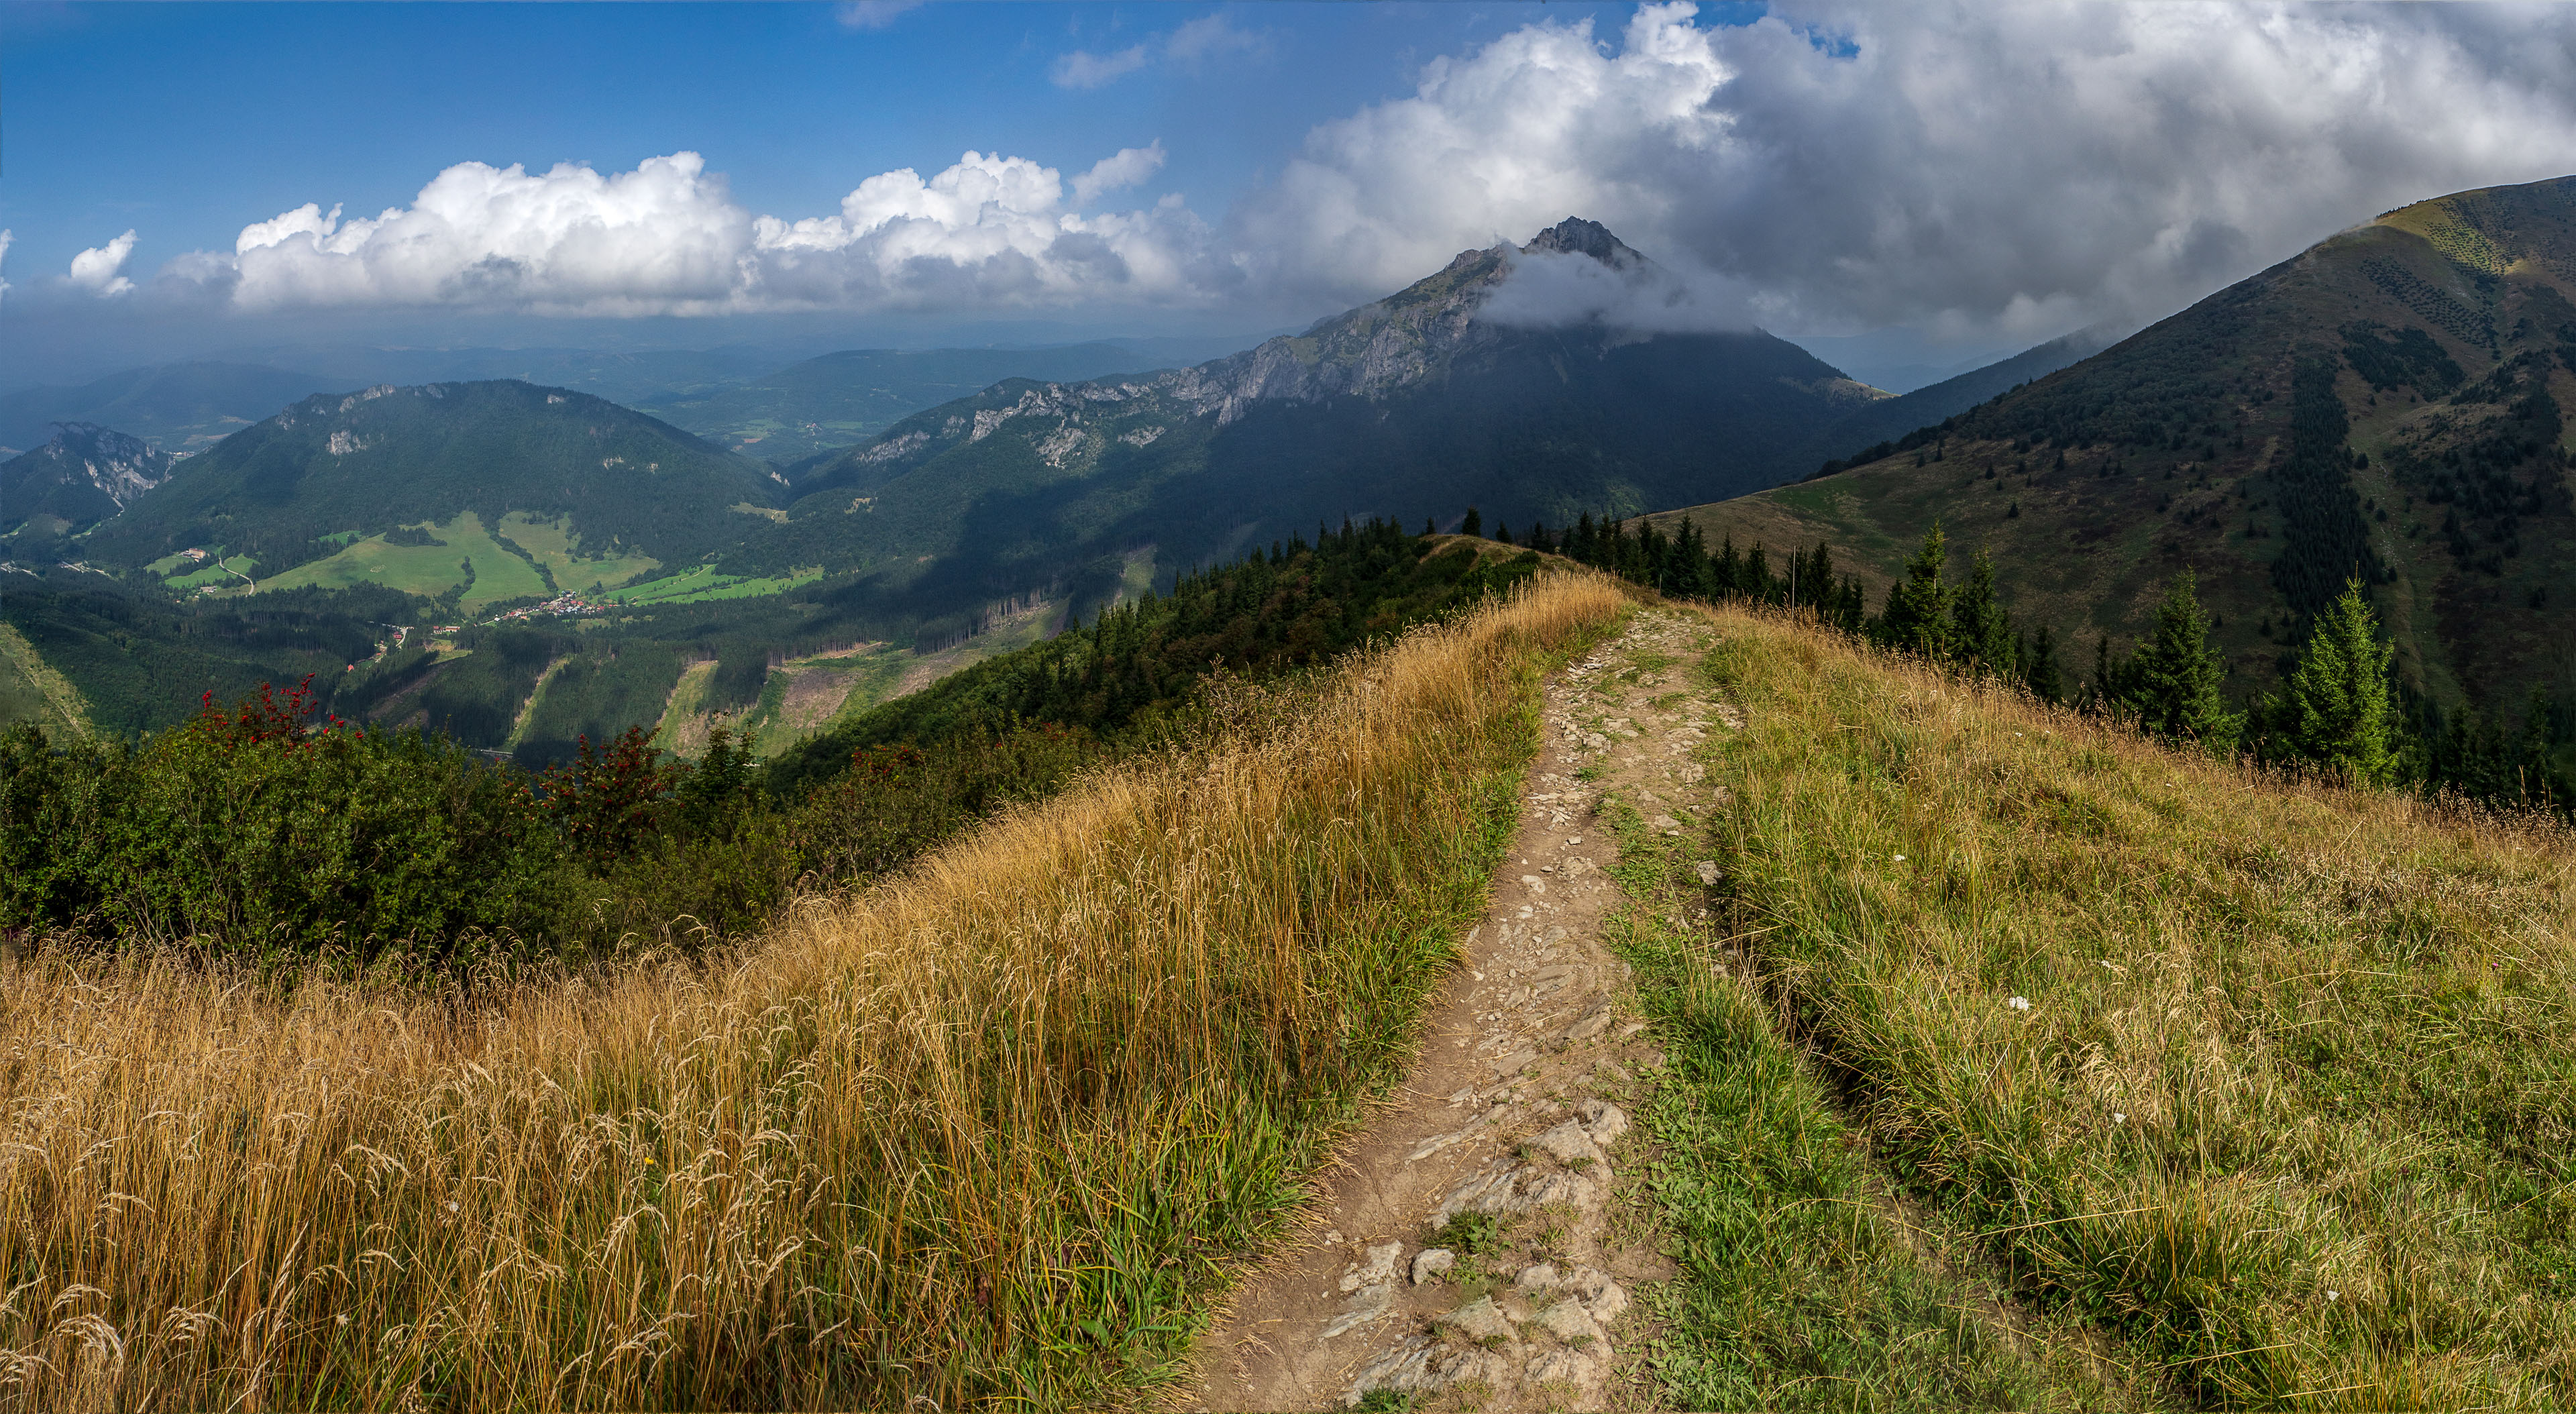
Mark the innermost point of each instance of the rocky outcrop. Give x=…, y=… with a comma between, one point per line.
x=85, y=474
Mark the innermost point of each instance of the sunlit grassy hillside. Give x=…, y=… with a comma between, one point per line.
x=981, y=1133
x=2273, y=1080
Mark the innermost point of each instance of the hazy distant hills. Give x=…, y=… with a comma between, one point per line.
x=844, y=398
x=1411, y=406
x=399, y=469
x=82, y=475
x=2391, y=401
x=1871, y=423
x=177, y=407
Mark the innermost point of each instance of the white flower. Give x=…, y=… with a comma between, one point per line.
x=342, y=1318
x=2019, y=1004
x=1900, y=859
x=2332, y=1295
x=2119, y=1118
x=451, y=1203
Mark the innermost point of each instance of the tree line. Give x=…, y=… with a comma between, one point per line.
x=2339, y=709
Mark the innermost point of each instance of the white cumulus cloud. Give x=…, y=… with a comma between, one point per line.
x=100, y=269
x=988, y=232
x=1970, y=168
x=2024, y=166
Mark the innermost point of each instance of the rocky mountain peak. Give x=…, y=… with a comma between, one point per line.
x=1576, y=236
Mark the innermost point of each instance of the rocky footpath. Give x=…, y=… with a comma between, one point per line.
x=1464, y=1253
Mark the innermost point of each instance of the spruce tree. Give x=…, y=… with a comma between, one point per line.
x=2336, y=709
x=2173, y=679
x=1917, y=616
x=1473, y=525
x=1981, y=631
x=2039, y=670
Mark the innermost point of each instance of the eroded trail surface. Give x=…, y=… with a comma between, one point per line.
x=1465, y=1253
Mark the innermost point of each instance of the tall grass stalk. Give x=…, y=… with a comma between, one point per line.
x=979, y=1134
x=2274, y=1078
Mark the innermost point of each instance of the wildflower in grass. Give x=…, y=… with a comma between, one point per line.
x=2119, y=1118
x=1900, y=859
x=2019, y=1004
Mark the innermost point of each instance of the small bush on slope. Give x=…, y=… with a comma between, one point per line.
x=2289, y=1101
x=981, y=1133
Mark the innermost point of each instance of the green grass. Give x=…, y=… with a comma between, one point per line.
x=552, y=544
x=219, y=571
x=1804, y=1283
x=2288, y=1107
x=31, y=691
x=426, y=570
x=701, y=583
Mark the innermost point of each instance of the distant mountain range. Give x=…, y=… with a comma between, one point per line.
x=716, y=581
x=1411, y=406
x=178, y=407
x=2390, y=402
x=840, y=399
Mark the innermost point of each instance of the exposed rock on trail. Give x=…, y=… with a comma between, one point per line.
x=1464, y=1254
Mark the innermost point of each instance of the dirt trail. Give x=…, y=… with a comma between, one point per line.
x=1506, y=1123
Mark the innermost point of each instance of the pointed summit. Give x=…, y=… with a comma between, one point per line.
x=1576, y=236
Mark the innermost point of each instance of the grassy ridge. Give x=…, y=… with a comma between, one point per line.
x=2274, y=1080
x=1803, y=1282
x=979, y=1133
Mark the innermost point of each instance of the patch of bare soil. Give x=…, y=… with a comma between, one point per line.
x=1461, y=1253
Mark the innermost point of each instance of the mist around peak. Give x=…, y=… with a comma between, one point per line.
x=1577, y=274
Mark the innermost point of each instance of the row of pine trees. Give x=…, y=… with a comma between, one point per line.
x=2338, y=710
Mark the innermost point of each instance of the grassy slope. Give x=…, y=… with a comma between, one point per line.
x=2288, y=1107
x=426, y=570
x=2180, y=430
x=987, y=1133
x=32, y=692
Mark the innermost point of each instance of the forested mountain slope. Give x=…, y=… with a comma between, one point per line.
x=333, y=470
x=2388, y=403
x=1411, y=406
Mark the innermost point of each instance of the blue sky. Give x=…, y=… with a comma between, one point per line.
x=187, y=122
x=1936, y=181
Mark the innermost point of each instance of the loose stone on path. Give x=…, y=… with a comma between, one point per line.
x=1479, y=1267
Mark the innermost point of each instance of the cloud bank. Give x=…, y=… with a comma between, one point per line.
x=2026, y=166
x=2021, y=168
x=990, y=232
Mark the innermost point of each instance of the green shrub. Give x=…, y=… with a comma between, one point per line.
x=247, y=831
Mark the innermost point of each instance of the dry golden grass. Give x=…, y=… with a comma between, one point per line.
x=981, y=1133
x=2292, y=1103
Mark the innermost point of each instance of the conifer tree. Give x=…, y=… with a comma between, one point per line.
x=2039, y=670
x=1917, y=616
x=2335, y=709
x=2173, y=678
x=1981, y=633
x=1473, y=525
